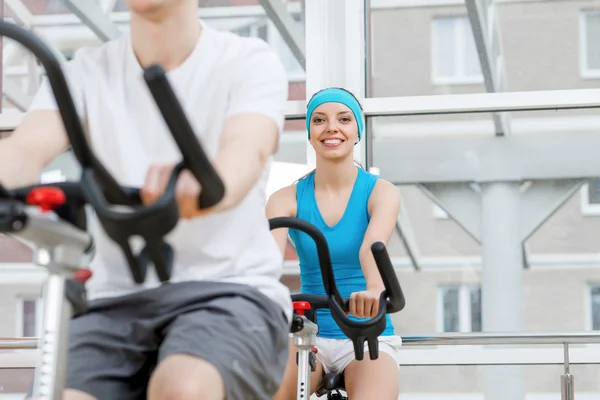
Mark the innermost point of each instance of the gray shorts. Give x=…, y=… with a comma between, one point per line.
x=115, y=347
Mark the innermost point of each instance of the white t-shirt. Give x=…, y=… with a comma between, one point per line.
x=225, y=75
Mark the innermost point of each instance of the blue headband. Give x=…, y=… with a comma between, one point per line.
x=335, y=95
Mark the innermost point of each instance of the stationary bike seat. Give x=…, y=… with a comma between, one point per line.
x=332, y=382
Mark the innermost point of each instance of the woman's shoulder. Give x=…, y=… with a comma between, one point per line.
x=286, y=194
x=282, y=203
x=384, y=191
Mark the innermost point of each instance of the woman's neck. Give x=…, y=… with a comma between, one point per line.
x=335, y=176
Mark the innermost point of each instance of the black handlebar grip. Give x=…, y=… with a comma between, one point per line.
x=395, y=295
x=4, y=194
x=194, y=157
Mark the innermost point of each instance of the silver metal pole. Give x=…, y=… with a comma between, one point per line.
x=437, y=339
x=303, y=374
x=502, y=282
x=500, y=338
x=305, y=340
x=51, y=368
x=19, y=344
x=567, y=384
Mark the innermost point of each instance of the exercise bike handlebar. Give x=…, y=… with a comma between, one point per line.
x=101, y=190
x=392, y=299
x=27, y=218
x=194, y=157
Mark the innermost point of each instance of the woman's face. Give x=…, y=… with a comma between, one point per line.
x=333, y=131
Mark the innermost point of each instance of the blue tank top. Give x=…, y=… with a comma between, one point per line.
x=344, y=240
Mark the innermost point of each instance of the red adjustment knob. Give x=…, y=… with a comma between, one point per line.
x=301, y=306
x=315, y=350
x=82, y=275
x=47, y=198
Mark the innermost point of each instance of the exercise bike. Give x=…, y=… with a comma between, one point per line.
x=305, y=329
x=51, y=217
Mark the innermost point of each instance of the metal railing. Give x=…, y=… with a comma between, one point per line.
x=500, y=338
x=450, y=339
x=515, y=338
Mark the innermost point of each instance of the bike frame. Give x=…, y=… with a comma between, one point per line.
x=305, y=340
x=63, y=250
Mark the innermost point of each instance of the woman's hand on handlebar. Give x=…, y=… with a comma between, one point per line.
x=187, y=189
x=365, y=304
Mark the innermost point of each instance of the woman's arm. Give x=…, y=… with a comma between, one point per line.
x=383, y=207
x=282, y=203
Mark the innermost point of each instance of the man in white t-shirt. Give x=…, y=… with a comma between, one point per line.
x=220, y=328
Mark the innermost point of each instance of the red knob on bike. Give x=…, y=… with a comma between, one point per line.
x=47, y=198
x=301, y=306
x=82, y=275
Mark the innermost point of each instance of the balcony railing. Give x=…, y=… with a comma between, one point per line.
x=475, y=354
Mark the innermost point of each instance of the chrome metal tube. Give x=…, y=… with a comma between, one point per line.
x=504, y=338
x=51, y=368
x=567, y=387
x=18, y=343
x=303, y=374
x=438, y=339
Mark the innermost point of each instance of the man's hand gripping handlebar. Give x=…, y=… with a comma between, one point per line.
x=392, y=299
x=100, y=189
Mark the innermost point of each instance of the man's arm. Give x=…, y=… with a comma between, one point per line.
x=34, y=144
x=282, y=203
x=255, y=120
x=248, y=141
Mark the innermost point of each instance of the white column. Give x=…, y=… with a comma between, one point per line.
x=502, y=281
x=335, y=52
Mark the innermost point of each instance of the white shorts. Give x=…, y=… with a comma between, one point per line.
x=336, y=354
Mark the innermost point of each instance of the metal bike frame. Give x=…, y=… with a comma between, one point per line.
x=305, y=340
x=62, y=249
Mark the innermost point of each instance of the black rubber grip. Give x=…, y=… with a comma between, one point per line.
x=395, y=295
x=194, y=157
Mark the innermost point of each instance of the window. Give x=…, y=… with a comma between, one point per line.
x=257, y=29
x=264, y=29
x=291, y=64
x=590, y=197
x=454, y=59
x=595, y=307
x=459, y=308
x=589, y=39
x=29, y=317
x=55, y=175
